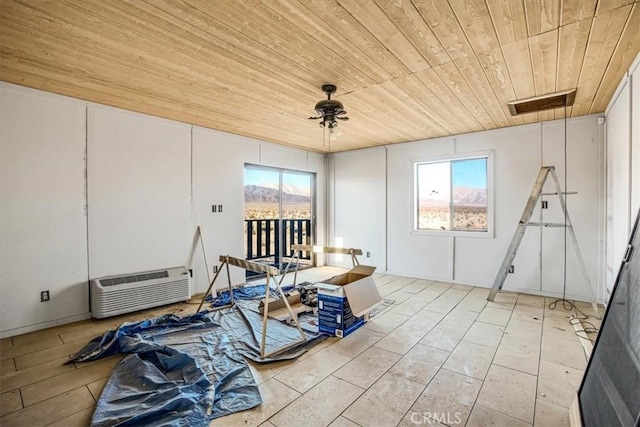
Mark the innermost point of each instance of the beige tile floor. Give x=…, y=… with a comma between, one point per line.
x=440, y=355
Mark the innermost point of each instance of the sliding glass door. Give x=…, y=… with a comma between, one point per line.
x=279, y=213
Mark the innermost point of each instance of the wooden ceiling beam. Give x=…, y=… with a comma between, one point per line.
x=474, y=75
x=605, y=32
x=409, y=21
x=544, y=57
x=317, y=28
x=447, y=103
x=573, y=40
x=509, y=20
x=542, y=16
x=625, y=52
x=455, y=81
x=340, y=20
x=576, y=10
x=444, y=24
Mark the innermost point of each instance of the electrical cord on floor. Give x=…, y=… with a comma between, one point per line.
x=568, y=306
x=589, y=329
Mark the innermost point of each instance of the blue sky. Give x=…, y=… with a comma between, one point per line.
x=434, y=177
x=261, y=177
x=258, y=177
x=470, y=173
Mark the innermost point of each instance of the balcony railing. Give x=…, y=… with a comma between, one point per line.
x=263, y=238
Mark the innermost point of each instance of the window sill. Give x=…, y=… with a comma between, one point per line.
x=447, y=233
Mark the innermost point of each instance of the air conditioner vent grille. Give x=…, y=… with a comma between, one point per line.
x=115, y=295
x=134, y=278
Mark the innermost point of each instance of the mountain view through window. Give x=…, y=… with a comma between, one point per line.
x=452, y=195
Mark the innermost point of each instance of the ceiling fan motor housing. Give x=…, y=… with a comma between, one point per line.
x=326, y=106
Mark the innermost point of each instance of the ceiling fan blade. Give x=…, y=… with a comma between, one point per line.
x=342, y=118
x=315, y=118
x=340, y=112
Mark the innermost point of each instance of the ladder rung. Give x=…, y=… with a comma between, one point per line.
x=556, y=193
x=547, y=224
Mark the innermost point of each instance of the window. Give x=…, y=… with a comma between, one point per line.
x=452, y=195
x=278, y=214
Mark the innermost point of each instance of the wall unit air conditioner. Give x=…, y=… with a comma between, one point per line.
x=115, y=295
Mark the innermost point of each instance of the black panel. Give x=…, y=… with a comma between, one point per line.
x=610, y=390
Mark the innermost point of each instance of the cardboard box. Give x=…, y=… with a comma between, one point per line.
x=335, y=316
x=344, y=301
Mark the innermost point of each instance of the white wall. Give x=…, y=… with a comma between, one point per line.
x=585, y=175
x=150, y=182
x=623, y=169
x=358, y=205
x=218, y=178
x=618, y=183
x=635, y=139
x=518, y=154
x=42, y=209
x=139, y=176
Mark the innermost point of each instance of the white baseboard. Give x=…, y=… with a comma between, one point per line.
x=574, y=413
x=43, y=325
x=488, y=286
x=551, y=294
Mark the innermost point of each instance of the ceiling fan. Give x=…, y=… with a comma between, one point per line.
x=329, y=110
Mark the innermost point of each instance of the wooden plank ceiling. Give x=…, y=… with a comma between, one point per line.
x=405, y=69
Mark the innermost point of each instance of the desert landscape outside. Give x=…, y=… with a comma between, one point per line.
x=467, y=218
x=256, y=210
x=452, y=195
x=272, y=208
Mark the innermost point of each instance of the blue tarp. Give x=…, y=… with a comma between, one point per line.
x=178, y=371
x=185, y=371
x=243, y=323
x=155, y=388
x=243, y=293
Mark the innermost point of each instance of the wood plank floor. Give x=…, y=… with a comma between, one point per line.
x=439, y=354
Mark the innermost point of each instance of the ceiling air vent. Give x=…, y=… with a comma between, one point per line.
x=543, y=102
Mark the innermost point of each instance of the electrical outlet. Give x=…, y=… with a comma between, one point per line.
x=214, y=208
x=44, y=296
x=545, y=204
x=368, y=254
x=511, y=269
x=219, y=208
x=215, y=269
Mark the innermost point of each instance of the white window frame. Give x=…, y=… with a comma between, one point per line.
x=490, y=195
